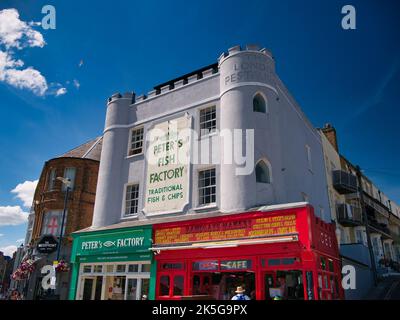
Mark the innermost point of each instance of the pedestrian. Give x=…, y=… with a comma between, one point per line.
x=240, y=294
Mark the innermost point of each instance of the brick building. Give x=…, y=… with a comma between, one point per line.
x=80, y=166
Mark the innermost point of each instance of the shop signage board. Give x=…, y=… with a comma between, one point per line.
x=168, y=163
x=237, y=228
x=114, y=243
x=236, y=264
x=47, y=244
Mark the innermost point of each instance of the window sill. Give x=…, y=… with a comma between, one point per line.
x=134, y=155
x=130, y=217
x=208, y=135
x=206, y=207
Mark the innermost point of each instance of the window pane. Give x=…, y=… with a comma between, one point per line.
x=259, y=104
x=145, y=288
x=207, y=186
x=133, y=268
x=132, y=199
x=98, y=268
x=87, y=269
x=121, y=268
x=51, y=180
x=110, y=268
x=164, y=286
x=208, y=122
x=146, y=267
x=178, y=285
x=323, y=263
x=69, y=173
x=262, y=172
x=132, y=289
x=136, y=141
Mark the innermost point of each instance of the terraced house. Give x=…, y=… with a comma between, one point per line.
x=367, y=220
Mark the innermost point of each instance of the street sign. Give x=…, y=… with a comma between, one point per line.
x=47, y=244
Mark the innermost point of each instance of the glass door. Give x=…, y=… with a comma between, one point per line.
x=132, y=291
x=87, y=288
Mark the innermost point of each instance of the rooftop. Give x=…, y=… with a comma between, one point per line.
x=89, y=150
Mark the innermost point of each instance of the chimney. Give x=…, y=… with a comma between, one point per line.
x=330, y=134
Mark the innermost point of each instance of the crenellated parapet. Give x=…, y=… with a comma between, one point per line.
x=178, y=83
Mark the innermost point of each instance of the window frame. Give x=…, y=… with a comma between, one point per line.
x=268, y=165
x=51, y=180
x=131, y=131
x=126, y=186
x=265, y=101
x=213, y=130
x=200, y=197
x=72, y=184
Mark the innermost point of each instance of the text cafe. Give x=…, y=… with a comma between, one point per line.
x=112, y=265
x=280, y=254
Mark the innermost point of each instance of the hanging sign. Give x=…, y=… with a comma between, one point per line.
x=47, y=244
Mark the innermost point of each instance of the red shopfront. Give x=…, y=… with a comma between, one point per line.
x=287, y=252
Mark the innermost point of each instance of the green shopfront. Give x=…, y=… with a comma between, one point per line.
x=112, y=265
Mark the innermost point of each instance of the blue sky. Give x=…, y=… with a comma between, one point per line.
x=347, y=78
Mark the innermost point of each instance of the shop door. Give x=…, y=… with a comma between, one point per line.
x=269, y=282
x=88, y=288
x=137, y=287
x=170, y=285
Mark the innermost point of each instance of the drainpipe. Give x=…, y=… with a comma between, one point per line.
x=365, y=218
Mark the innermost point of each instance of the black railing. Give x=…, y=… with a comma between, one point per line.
x=349, y=215
x=344, y=182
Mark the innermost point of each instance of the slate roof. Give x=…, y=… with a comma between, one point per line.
x=88, y=150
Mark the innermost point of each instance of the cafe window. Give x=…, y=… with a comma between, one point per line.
x=178, y=285
x=323, y=263
x=208, y=120
x=164, y=286
x=172, y=266
x=274, y=262
x=288, y=261
x=330, y=263
x=132, y=199
x=207, y=186
x=136, y=143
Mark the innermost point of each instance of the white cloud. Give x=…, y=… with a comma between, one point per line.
x=1, y=234
x=61, y=92
x=20, y=240
x=15, y=33
x=9, y=250
x=76, y=84
x=28, y=78
x=12, y=216
x=25, y=192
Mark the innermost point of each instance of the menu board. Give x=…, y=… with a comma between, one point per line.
x=227, y=230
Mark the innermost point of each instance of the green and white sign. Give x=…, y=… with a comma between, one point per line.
x=127, y=241
x=168, y=160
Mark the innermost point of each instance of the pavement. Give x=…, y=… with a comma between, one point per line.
x=388, y=288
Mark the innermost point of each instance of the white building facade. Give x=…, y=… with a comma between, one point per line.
x=284, y=162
